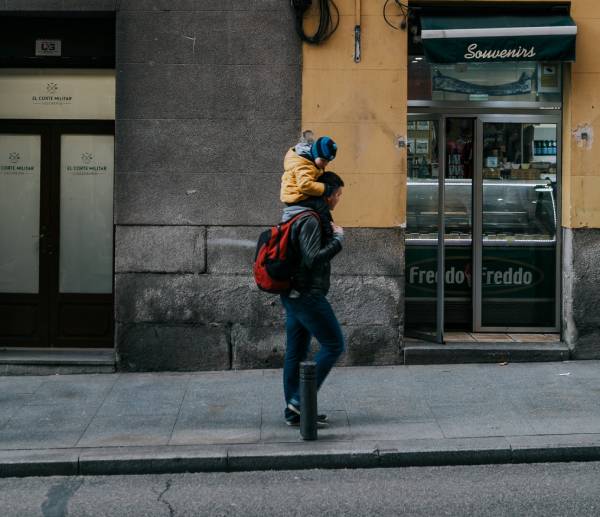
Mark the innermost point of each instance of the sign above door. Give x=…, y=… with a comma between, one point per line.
x=474, y=39
x=40, y=93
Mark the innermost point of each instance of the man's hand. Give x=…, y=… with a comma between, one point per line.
x=338, y=231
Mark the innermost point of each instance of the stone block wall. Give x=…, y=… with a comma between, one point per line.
x=216, y=318
x=581, y=292
x=208, y=101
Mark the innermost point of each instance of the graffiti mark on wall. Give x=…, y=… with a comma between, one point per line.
x=584, y=136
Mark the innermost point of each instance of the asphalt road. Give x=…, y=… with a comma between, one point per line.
x=559, y=489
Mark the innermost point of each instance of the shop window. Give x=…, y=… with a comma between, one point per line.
x=471, y=82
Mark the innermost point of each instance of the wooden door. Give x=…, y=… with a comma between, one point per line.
x=56, y=233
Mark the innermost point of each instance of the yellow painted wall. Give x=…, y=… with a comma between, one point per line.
x=363, y=107
x=581, y=163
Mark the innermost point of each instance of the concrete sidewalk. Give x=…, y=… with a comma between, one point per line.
x=232, y=420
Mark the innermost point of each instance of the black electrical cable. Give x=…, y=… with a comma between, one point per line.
x=327, y=23
x=403, y=9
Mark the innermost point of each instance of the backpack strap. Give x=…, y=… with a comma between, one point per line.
x=302, y=215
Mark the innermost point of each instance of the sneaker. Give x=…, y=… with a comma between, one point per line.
x=296, y=410
x=294, y=421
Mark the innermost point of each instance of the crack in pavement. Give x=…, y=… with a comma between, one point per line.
x=164, y=501
x=58, y=497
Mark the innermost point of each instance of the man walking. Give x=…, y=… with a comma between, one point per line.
x=308, y=313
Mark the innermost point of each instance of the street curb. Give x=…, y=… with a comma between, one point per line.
x=299, y=455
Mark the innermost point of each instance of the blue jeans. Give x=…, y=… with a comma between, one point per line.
x=307, y=316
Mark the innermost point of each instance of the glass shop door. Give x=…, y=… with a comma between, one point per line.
x=482, y=213
x=441, y=167
x=56, y=233
x=516, y=231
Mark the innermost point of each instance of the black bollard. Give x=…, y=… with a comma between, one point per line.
x=308, y=400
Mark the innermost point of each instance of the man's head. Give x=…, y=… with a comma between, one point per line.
x=323, y=150
x=335, y=186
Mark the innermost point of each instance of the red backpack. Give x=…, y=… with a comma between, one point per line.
x=275, y=259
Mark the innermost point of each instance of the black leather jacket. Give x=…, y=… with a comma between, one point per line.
x=313, y=272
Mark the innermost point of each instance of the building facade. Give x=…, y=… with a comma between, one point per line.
x=149, y=250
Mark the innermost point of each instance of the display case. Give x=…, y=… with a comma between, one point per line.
x=518, y=273
x=516, y=213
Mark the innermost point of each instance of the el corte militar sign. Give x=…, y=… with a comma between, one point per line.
x=469, y=39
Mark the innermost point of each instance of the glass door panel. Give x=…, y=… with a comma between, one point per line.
x=458, y=218
x=519, y=226
x=422, y=228
x=56, y=233
x=86, y=213
x=20, y=157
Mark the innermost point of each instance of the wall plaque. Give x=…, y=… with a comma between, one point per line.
x=48, y=47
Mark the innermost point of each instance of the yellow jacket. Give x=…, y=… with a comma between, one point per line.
x=299, y=180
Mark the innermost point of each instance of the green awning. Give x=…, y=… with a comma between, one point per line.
x=474, y=39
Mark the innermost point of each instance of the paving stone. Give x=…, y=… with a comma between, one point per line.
x=53, y=417
x=131, y=396
x=565, y=423
x=477, y=420
x=223, y=396
x=217, y=423
x=123, y=430
x=38, y=438
x=10, y=404
x=17, y=385
x=89, y=389
x=368, y=428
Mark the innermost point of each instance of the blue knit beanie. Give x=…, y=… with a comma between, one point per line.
x=325, y=148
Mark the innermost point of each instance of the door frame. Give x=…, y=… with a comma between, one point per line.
x=481, y=116
x=535, y=118
x=49, y=253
